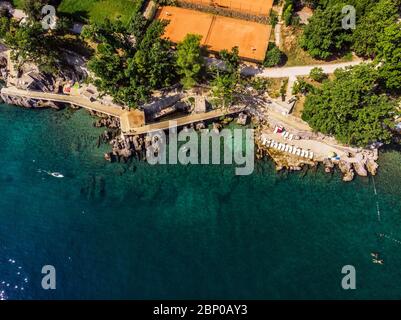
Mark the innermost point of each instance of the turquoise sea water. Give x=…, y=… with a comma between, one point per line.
x=139, y=231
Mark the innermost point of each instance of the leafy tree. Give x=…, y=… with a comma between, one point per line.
x=189, y=60
x=317, y=74
x=287, y=15
x=129, y=71
x=351, y=107
x=225, y=81
x=372, y=25
x=223, y=88
x=33, y=8
x=273, y=56
x=137, y=26
x=389, y=55
x=231, y=59
x=31, y=43
x=324, y=35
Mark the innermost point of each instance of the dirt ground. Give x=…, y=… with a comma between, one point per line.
x=217, y=32
x=256, y=7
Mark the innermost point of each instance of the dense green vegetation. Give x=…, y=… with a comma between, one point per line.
x=225, y=81
x=357, y=107
x=30, y=42
x=273, y=57
x=129, y=67
x=324, y=36
x=352, y=107
x=189, y=60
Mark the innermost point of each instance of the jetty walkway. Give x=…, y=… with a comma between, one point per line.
x=116, y=111
x=109, y=110
x=182, y=121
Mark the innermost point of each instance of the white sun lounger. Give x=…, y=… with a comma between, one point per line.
x=264, y=141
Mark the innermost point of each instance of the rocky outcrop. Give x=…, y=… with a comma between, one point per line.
x=372, y=167
x=328, y=165
x=123, y=148
x=360, y=169
x=106, y=121
x=347, y=170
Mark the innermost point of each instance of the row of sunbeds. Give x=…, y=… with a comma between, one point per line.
x=287, y=148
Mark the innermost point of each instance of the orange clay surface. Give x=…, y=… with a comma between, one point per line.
x=257, y=7
x=217, y=32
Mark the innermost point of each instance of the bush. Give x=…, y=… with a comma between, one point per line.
x=317, y=74
x=301, y=86
x=273, y=56
x=287, y=16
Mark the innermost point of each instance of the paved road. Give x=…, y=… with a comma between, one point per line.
x=285, y=72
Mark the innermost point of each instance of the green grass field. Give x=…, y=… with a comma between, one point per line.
x=98, y=10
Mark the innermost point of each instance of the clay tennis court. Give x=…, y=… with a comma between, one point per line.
x=254, y=7
x=217, y=32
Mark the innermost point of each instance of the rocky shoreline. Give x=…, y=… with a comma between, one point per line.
x=29, y=103
x=362, y=163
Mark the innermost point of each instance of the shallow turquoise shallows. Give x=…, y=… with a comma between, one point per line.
x=139, y=231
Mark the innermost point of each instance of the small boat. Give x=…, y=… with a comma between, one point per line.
x=56, y=174
x=378, y=261
x=374, y=255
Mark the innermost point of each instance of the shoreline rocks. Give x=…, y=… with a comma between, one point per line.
x=29, y=102
x=347, y=170
x=361, y=163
